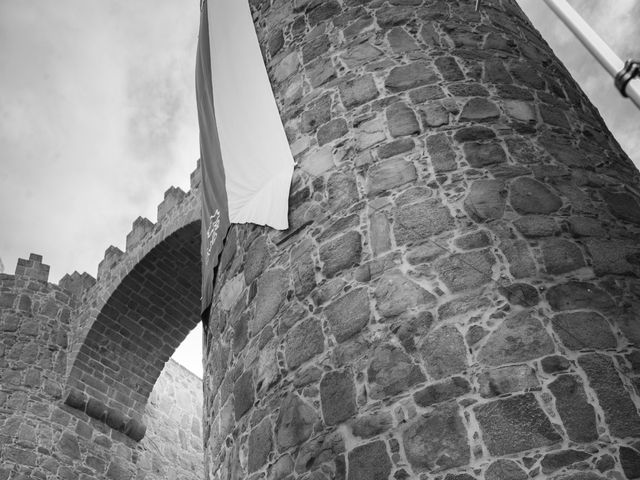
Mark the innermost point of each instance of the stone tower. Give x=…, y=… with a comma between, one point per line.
x=457, y=296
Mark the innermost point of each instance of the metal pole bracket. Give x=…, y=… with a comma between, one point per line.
x=630, y=70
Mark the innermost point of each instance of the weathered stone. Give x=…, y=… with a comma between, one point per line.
x=401, y=120
x=620, y=257
x=465, y=271
x=303, y=266
x=449, y=389
x=357, y=91
x=323, y=11
x=630, y=327
x=434, y=114
x=369, y=462
x=395, y=294
x=320, y=71
x=620, y=412
x=336, y=128
x=341, y=253
x=320, y=450
x=315, y=47
x=259, y=446
x=360, y=54
x=444, y=352
x=303, y=342
x=482, y=154
x=579, y=295
x=630, y=461
x=117, y=471
x=441, y=154
x=584, y=330
x=505, y=470
x=437, y=440
x=243, y=394
x=473, y=240
x=337, y=396
x=379, y=233
x=400, y=41
x=513, y=378
x=622, y=205
x=415, y=327
x=449, y=69
x=315, y=114
x=561, y=256
x=473, y=133
x=367, y=134
x=515, y=424
x=272, y=290
x=521, y=111
x=391, y=371
x=475, y=334
x=422, y=94
x=342, y=191
x=410, y=76
x=556, y=460
x=370, y=425
x=479, y=110
x=287, y=67
x=521, y=294
x=396, y=147
x=349, y=314
x=486, y=200
x=537, y=226
x=318, y=162
x=389, y=174
x=530, y=196
x=519, y=338
x=415, y=223
x=555, y=364
x=578, y=476
x=517, y=253
x=281, y=468
x=295, y=422
x=606, y=462
x=68, y=445
x=256, y=260
x=586, y=227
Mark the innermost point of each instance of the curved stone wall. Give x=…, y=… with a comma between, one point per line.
x=41, y=437
x=457, y=296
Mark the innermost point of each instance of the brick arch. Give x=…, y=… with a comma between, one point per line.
x=146, y=301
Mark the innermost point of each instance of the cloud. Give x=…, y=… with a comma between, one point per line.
x=97, y=120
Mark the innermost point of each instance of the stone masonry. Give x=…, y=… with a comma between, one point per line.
x=458, y=294
x=43, y=438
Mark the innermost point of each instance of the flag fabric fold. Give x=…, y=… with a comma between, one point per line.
x=245, y=160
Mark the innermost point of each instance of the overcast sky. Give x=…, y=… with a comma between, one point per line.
x=98, y=118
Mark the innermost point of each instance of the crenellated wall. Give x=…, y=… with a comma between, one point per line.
x=457, y=296
x=41, y=437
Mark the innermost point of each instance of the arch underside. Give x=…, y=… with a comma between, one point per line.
x=145, y=319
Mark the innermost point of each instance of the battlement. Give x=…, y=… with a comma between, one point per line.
x=33, y=268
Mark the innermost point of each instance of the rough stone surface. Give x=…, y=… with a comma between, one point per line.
x=584, y=330
x=341, y=253
x=410, y=76
x=556, y=460
x=260, y=444
x=349, y=314
x=401, y=120
x=389, y=174
x=630, y=460
x=465, y=271
x=303, y=342
x=508, y=379
x=620, y=412
x=483, y=154
x=444, y=352
x=561, y=256
x=417, y=222
x=486, y=200
x=530, y=196
x=295, y=422
x=505, y=470
x=272, y=289
x=515, y=424
x=370, y=461
x=449, y=389
x=358, y=91
x=395, y=294
x=338, y=396
x=442, y=155
x=579, y=295
x=437, y=440
x=518, y=338
x=391, y=371
x=479, y=109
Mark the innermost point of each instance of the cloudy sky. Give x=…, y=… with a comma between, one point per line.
x=98, y=119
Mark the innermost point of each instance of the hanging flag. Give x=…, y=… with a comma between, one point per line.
x=245, y=158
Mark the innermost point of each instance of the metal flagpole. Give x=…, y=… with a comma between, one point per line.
x=623, y=73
